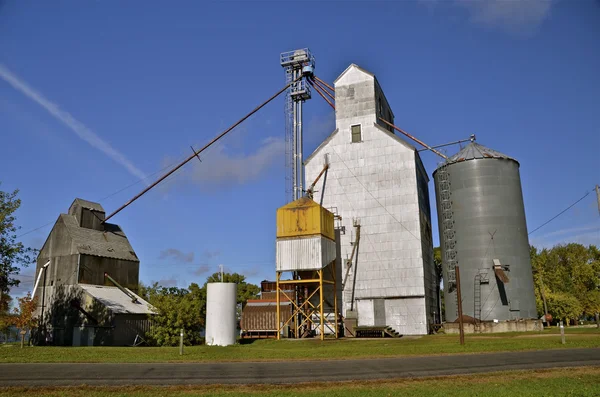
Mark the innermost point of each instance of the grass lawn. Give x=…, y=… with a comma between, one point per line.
x=555, y=382
x=308, y=349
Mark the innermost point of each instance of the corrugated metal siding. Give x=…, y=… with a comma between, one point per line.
x=304, y=217
x=263, y=317
x=127, y=326
x=308, y=253
x=273, y=295
x=487, y=199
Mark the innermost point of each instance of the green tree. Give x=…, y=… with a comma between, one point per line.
x=437, y=261
x=177, y=309
x=569, y=275
x=13, y=254
x=563, y=306
x=185, y=308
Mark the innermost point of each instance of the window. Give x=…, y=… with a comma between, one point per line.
x=356, y=134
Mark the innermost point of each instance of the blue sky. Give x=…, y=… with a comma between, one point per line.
x=94, y=94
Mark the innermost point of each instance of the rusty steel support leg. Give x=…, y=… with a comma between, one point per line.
x=278, y=319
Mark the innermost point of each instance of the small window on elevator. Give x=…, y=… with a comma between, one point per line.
x=356, y=134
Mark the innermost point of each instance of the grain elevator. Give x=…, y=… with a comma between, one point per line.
x=376, y=183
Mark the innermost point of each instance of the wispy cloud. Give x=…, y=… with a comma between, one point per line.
x=511, y=14
x=67, y=119
x=211, y=254
x=168, y=282
x=220, y=168
x=514, y=16
x=586, y=235
x=177, y=255
x=201, y=270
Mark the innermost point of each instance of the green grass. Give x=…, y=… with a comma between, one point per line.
x=305, y=349
x=555, y=382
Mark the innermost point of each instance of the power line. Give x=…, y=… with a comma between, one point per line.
x=182, y=161
x=195, y=154
x=560, y=213
x=102, y=199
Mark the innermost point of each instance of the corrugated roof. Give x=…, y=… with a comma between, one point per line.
x=476, y=151
x=111, y=243
x=117, y=301
x=89, y=205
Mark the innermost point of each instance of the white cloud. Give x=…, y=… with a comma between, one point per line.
x=67, y=119
x=511, y=14
x=514, y=16
x=219, y=167
x=586, y=235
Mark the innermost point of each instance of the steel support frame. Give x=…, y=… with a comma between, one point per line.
x=302, y=313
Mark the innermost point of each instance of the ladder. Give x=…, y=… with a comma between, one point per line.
x=477, y=302
x=481, y=277
x=449, y=235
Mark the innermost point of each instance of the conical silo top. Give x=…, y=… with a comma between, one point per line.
x=476, y=151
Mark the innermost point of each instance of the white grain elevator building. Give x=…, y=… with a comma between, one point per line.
x=376, y=180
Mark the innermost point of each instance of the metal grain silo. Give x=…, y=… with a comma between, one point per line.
x=482, y=228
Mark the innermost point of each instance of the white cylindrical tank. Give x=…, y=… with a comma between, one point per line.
x=221, y=299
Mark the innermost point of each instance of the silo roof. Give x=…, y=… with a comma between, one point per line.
x=476, y=151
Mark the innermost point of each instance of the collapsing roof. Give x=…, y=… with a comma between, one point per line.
x=117, y=301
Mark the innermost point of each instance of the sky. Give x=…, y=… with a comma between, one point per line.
x=97, y=98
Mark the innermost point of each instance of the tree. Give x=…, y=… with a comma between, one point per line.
x=177, y=309
x=13, y=254
x=569, y=276
x=185, y=308
x=563, y=306
x=24, y=318
x=437, y=261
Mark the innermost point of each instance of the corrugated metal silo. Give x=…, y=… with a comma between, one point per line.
x=482, y=229
x=305, y=236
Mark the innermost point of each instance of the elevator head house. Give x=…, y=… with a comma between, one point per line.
x=85, y=295
x=376, y=180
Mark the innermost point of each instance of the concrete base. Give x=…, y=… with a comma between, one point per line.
x=502, y=326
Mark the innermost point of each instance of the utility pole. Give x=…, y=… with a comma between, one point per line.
x=461, y=327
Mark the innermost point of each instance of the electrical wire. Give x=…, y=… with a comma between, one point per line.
x=103, y=198
x=196, y=153
x=560, y=213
